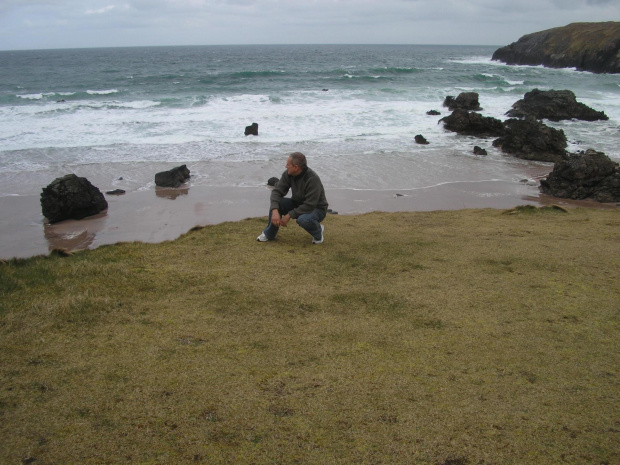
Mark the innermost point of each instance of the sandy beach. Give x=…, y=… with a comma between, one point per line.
x=164, y=214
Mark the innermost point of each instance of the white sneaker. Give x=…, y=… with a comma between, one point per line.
x=262, y=238
x=314, y=241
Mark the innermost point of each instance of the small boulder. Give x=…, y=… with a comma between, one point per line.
x=473, y=124
x=420, y=139
x=465, y=101
x=172, y=178
x=554, y=105
x=115, y=192
x=433, y=113
x=71, y=198
x=272, y=181
x=251, y=130
x=479, y=151
x=584, y=175
x=530, y=139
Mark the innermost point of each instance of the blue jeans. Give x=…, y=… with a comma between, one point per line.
x=311, y=222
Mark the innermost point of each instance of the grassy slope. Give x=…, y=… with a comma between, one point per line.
x=443, y=337
x=577, y=37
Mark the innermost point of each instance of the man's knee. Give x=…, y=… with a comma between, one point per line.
x=305, y=220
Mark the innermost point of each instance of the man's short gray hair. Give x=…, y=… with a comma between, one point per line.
x=298, y=159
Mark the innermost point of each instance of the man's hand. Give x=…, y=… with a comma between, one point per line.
x=277, y=220
x=275, y=217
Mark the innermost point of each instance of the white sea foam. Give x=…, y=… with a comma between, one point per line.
x=102, y=92
x=486, y=60
x=297, y=116
x=139, y=104
x=31, y=96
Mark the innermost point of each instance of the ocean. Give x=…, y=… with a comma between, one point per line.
x=118, y=115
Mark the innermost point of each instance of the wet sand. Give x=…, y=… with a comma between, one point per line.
x=164, y=214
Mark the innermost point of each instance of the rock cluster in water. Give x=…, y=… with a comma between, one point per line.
x=575, y=176
x=524, y=135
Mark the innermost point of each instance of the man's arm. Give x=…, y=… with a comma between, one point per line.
x=278, y=193
x=280, y=190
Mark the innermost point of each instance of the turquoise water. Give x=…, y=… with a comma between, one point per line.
x=352, y=109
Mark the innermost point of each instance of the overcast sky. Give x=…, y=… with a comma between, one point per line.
x=37, y=24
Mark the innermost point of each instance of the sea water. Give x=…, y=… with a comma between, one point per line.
x=118, y=115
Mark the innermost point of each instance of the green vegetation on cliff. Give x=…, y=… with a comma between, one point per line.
x=591, y=47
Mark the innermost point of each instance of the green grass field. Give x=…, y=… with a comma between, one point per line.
x=451, y=338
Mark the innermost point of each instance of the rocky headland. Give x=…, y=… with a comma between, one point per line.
x=591, y=47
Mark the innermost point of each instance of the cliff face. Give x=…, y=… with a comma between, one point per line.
x=591, y=47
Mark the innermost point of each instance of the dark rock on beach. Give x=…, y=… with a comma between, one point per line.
x=71, y=198
x=251, y=130
x=584, y=175
x=554, y=105
x=465, y=101
x=173, y=178
x=479, y=151
x=591, y=47
x=420, y=139
x=433, y=113
x=115, y=192
x=530, y=139
x=272, y=181
x=473, y=124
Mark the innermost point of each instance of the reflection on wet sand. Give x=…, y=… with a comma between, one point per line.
x=171, y=192
x=73, y=235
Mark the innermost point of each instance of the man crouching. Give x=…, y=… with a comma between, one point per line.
x=308, y=204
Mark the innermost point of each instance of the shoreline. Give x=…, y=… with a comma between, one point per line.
x=159, y=215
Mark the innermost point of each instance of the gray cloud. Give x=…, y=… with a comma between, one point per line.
x=89, y=23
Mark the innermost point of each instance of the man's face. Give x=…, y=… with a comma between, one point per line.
x=291, y=169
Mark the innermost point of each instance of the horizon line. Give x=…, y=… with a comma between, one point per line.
x=243, y=45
